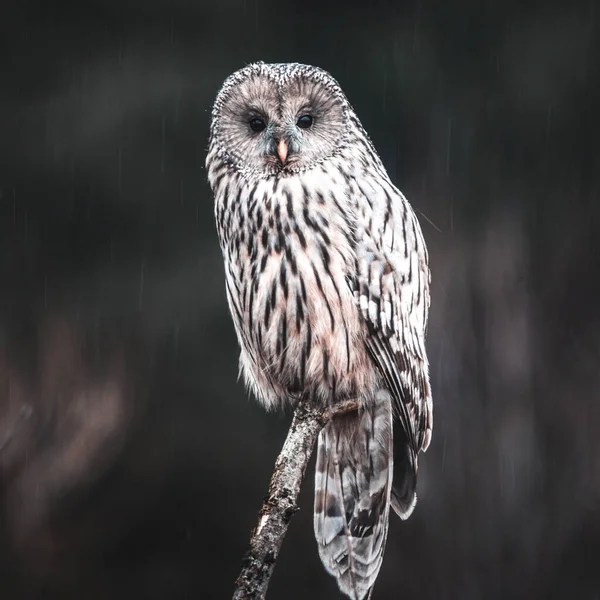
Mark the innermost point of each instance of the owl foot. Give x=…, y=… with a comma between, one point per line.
x=341, y=408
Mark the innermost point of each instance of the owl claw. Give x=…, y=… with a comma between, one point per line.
x=341, y=408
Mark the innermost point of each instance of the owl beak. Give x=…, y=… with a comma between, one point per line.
x=282, y=151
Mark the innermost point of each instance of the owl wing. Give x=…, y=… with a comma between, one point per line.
x=392, y=288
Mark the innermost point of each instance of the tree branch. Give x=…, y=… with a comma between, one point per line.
x=281, y=501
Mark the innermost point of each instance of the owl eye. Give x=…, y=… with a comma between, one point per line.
x=304, y=122
x=257, y=125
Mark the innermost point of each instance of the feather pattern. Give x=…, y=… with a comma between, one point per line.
x=352, y=495
x=392, y=288
x=327, y=281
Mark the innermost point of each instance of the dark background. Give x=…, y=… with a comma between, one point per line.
x=132, y=463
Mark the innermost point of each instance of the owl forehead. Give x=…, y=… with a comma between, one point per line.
x=269, y=85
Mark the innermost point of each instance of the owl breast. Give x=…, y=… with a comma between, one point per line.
x=289, y=252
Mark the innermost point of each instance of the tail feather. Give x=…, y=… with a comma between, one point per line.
x=404, y=489
x=352, y=495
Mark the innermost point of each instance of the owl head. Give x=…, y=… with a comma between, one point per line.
x=278, y=119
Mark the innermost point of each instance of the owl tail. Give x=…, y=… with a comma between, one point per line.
x=352, y=495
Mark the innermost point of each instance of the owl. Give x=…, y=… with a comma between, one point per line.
x=327, y=281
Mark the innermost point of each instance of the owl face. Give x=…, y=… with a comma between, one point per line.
x=279, y=119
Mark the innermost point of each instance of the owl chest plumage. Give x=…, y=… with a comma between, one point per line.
x=290, y=255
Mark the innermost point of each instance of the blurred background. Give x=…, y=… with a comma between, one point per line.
x=132, y=462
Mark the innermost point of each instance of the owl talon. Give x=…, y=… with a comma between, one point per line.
x=341, y=408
